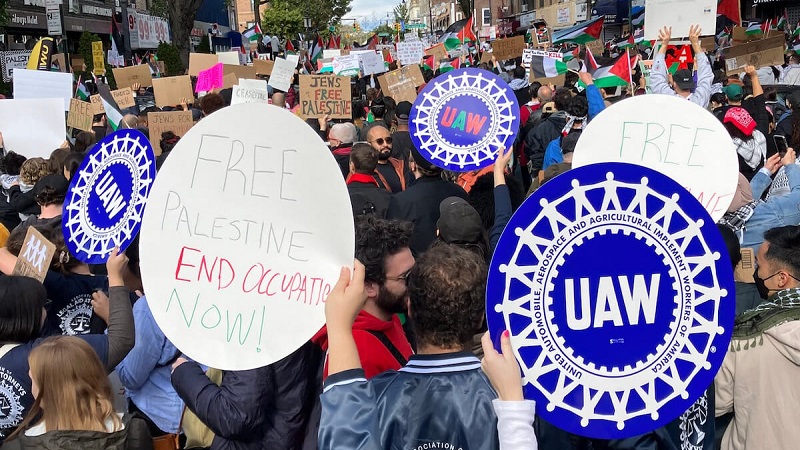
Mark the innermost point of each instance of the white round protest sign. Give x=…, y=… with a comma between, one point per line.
x=671, y=135
x=246, y=229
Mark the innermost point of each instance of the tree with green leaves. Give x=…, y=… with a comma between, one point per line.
x=180, y=14
x=3, y=12
x=401, y=13
x=171, y=57
x=282, y=19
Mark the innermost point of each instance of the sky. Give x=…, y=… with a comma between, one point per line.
x=371, y=12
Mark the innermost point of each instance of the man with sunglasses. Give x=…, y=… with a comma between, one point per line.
x=382, y=246
x=391, y=174
x=758, y=379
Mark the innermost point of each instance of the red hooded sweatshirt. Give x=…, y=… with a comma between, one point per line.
x=375, y=356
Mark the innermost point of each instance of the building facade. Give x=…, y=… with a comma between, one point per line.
x=245, y=14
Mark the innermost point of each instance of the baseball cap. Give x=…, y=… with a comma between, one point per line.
x=56, y=181
x=733, y=92
x=403, y=110
x=684, y=79
x=741, y=119
x=459, y=221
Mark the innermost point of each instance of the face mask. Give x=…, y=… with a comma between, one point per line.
x=763, y=290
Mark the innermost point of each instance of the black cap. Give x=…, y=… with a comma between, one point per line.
x=684, y=79
x=421, y=160
x=459, y=221
x=403, y=110
x=55, y=181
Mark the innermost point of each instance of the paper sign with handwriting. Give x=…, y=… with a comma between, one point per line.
x=346, y=65
x=209, y=79
x=410, y=52
x=236, y=260
x=509, y=48
x=242, y=94
x=179, y=122
x=670, y=135
x=372, y=63
x=325, y=95
x=282, y=74
x=32, y=141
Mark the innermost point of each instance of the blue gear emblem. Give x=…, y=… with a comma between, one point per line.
x=615, y=285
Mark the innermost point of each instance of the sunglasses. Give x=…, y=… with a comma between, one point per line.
x=380, y=141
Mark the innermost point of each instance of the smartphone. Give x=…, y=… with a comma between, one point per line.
x=781, y=144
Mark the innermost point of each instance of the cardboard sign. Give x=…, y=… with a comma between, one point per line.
x=401, y=84
x=372, y=63
x=622, y=334
x=179, y=122
x=42, y=84
x=16, y=116
x=509, y=48
x=765, y=52
x=35, y=257
x=242, y=94
x=747, y=266
x=13, y=59
x=347, y=66
x=170, y=90
x=410, y=52
x=229, y=58
x=128, y=76
x=667, y=134
x=229, y=80
x=461, y=118
x=263, y=66
x=97, y=104
x=739, y=34
x=680, y=15
x=124, y=98
x=199, y=62
x=241, y=72
x=80, y=115
x=106, y=197
x=439, y=53
x=325, y=95
x=282, y=75
x=486, y=57
x=236, y=260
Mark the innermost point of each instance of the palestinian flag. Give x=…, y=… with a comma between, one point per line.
x=730, y=9
x=458, y=34
x=582, y=33
x=112, y=114
x=638, y=39
x=546, y=67
x=590, y=64
x=754, y=29
x=289, y=47
x=316, y=50
x=568, y=55
x=252, y=34
x=783, y=21
x=617, y=74
x=334, y=42
x=427, y=62
x=626, y=44
x=81, y=92
x=796, y=31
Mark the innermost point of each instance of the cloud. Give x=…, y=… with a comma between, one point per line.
x=371, y=12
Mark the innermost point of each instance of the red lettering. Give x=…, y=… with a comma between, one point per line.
x=447, y=121
x=244, y=281
x=475, y=123
x=232, y=272
x=181, y=264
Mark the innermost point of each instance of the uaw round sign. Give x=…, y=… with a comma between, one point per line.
x=614, y=283
x=107, y=195
x=461, y=118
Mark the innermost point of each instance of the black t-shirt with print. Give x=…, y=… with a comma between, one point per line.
x=15, y=384
x=71, y=309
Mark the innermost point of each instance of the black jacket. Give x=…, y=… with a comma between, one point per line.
x=419, y=204
x=255, y=409
x=135, y=436
x=539, y=138
x=368, y=198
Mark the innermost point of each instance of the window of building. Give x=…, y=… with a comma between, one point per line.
x=487, y=17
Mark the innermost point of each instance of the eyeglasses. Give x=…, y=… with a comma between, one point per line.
x=402, y=277
x=380, y=141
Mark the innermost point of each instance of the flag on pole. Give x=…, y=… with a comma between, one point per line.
x=546, y=67
x=457, y=34
x=730, y=9
x=81, y=92
x=289, y=47
x=783, y=20
x=252, y=33
x=582, y=33
x=754, y=29
x=316, y=50
x=112, y=114
x=616, y=74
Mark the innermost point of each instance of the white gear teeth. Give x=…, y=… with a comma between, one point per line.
x=544, y=219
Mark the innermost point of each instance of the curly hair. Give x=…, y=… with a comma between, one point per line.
x=446, y=289
x=33, y=169
x=378, y=239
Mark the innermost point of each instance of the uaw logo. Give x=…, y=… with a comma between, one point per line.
x=615, y=285
x=11, y=393
x=461, y=118
x=106, y=198
x=76, y=317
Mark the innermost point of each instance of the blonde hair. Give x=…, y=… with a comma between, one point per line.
x=74, y=391
x=33, y=169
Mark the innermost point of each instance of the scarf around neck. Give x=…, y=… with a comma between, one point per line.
x=782, y=307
